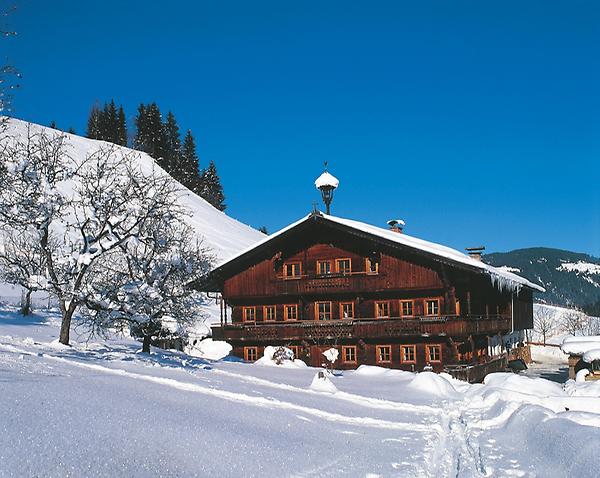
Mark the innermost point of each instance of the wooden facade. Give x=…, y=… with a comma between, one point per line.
x=321, y=284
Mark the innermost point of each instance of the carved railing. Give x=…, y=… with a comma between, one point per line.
x=362, y=328
x=326, y=283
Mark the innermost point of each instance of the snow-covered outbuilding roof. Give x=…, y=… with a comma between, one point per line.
x=503, y=279
x=587, y=345
x=327, y=179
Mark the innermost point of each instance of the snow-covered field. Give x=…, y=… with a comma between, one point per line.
x=100, y=408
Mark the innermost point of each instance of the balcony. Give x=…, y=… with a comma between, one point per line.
x=326, y=283
x=363, y=328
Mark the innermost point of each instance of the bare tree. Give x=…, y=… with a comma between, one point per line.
x=112, y=204
x=591, y=325
x=145, y=286
x=23, y=262
x=574, y=322
x=31, y=204
x=543, y=322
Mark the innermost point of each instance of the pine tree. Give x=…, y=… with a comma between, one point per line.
x=121, y=127
x=110, y=123
x=190, y=172
x=141, y=134
x=212, y=191
x=150, y=136
x=94, y=123
x=173, y=148
x=53, y=125
x=71, y=130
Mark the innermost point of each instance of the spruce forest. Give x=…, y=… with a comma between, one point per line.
x=161, y=139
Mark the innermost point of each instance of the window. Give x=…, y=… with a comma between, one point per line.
x=290, y=312
x=269, y=312
x=343, y=266
x=407, y=308
x=323, y=310
x=323, y=268
x=383, y=353
x=382, y=310
x=349, y=354
x=408, y=353
x=250, y=354
x=372, y=267
x=347, y=310
x=249, y=314
x=433, y=353
x=292, y=270
x=432, y=306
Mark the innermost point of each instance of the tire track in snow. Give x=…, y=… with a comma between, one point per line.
x=361, y=400
x=260, y=402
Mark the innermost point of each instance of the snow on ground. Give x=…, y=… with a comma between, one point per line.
x=100, y=408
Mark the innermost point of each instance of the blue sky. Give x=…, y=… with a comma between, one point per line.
x=476, y=122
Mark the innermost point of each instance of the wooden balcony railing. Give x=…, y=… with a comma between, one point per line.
x=362, y=328
x=326, y=283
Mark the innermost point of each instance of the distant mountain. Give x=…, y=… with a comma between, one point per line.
x=570, y=278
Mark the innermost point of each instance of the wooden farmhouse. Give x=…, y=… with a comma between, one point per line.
x=379, y=296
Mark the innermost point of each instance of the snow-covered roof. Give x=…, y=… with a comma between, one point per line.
x=501, y=278
x=581, y=345
x=327, y=179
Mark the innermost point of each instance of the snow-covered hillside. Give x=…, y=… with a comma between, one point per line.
x=562, y=321
x=101, y=409
x=570, y=278
x=222, y=234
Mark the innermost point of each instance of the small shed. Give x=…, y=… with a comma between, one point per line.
x=584, y=353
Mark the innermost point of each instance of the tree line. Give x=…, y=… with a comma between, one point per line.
x=161, y=139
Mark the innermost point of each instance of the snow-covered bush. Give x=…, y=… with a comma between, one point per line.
x=281, y=354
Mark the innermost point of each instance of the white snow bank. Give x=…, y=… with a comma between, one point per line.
x=210, y=349
x=581, y=374
x=519, y=383
x=580, y=388
x=563, y=447
x=322, y=383
x=433, y=384
x=548, y=354
x=374, y=371
x=591, y=355
x=580, y=345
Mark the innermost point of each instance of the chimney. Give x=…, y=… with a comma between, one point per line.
x=475, y=252
x=396, y=225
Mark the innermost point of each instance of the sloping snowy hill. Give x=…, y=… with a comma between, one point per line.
x=222, y=234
